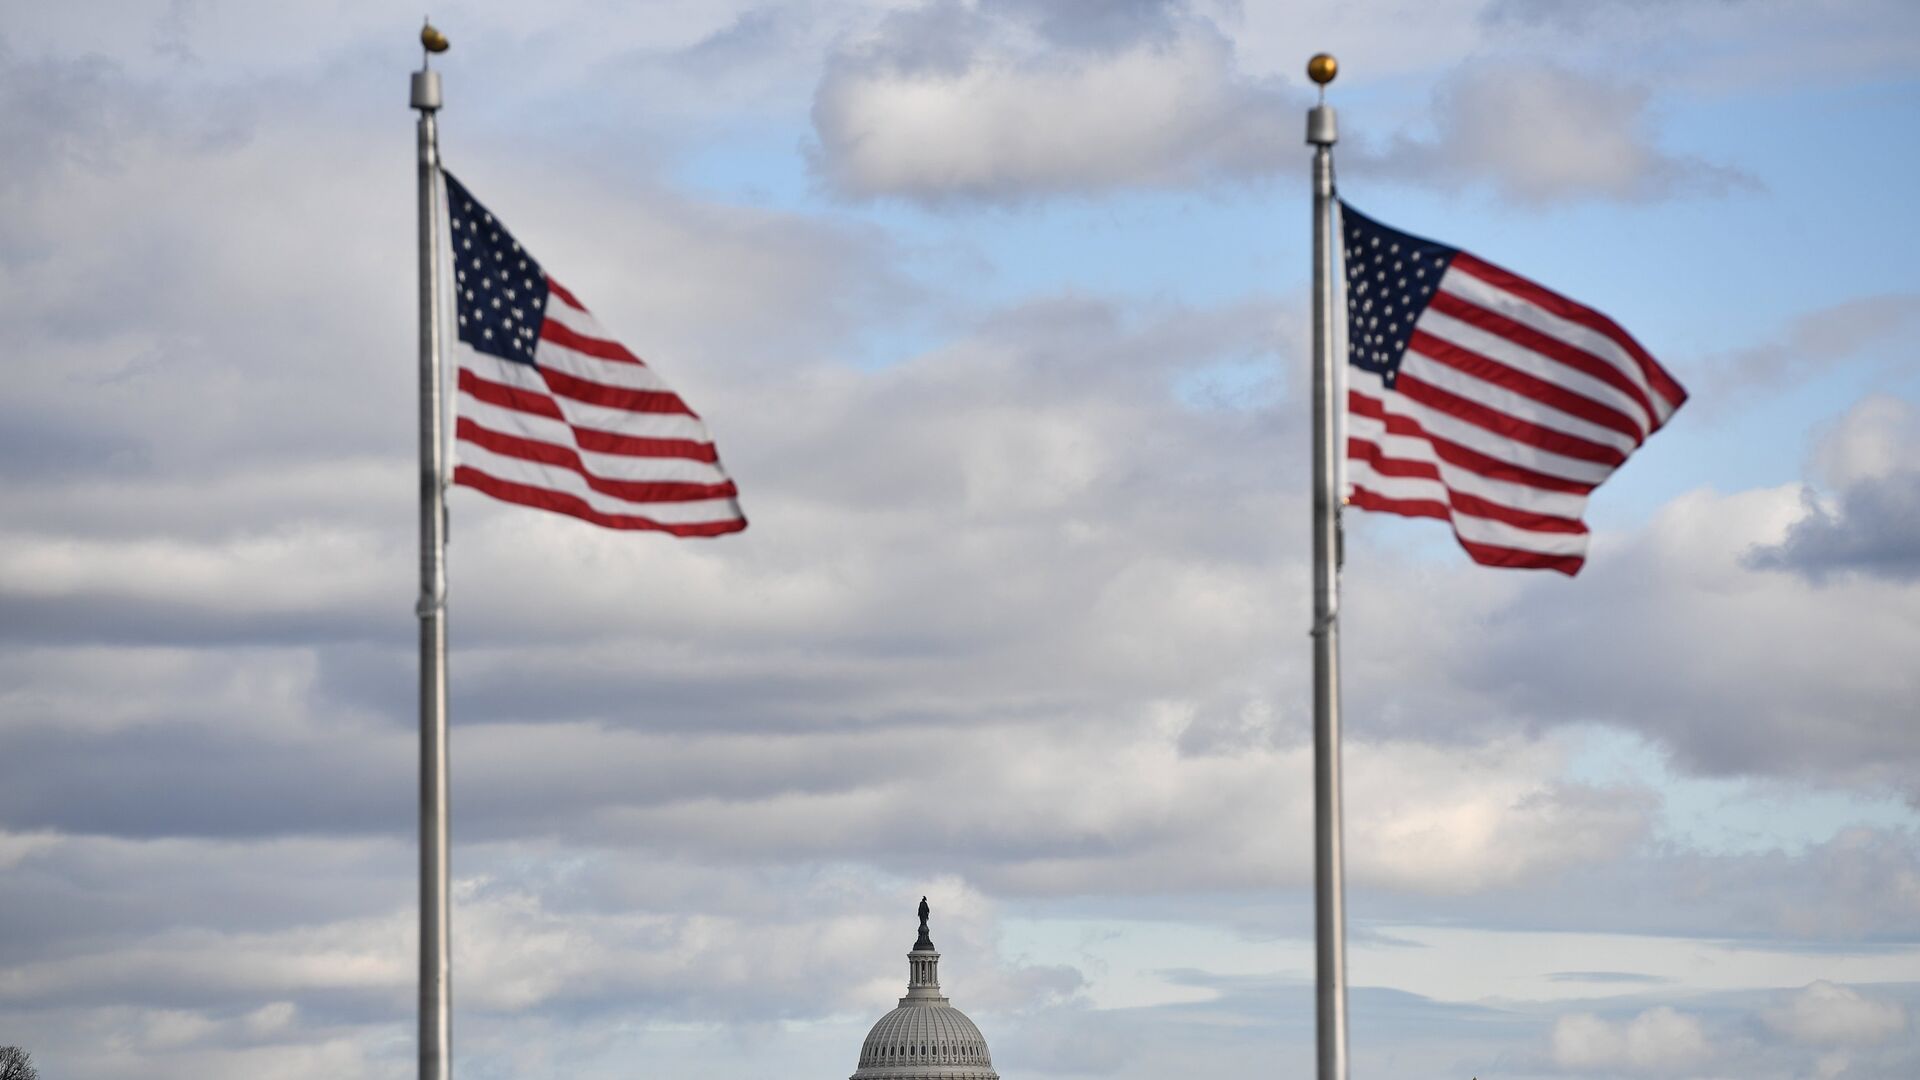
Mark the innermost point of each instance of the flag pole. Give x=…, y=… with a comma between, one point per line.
x=436, y=997
x=1329, y=891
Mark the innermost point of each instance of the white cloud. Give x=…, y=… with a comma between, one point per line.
x=1815, y=342
x=1875, y=439
x=1672, y=633
x=1869, y=526
x=1017, y=623
x=15, y=847
x=957, y=103
x=1660, y=1040
x=1826, y=1013
x=1539, y=134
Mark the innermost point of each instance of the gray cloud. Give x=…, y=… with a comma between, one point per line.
x=1018, y=622
x=1024, y=484
x=1609, y=977
x=1580, y=14
x=1098, y=24
x=1870, y=526
x=1755, y=1033
x=1823, y=1013
x=1669, y=632
x=1850, y=894
x=63, y=113
x=1865, y=328
x=998, y=103
x=1874, y=529
x=1641, y=1034
x=582, y=942
x=1539, y=134
x=1854, y=888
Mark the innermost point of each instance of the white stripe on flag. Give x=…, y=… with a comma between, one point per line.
x=1474, y=437
x=566, y=481
x=1520, y=497
x=578, y=413
x=1522, y=359
x=1527, y=313
x=1510, y=402
x=618, y=373
x=611, y=466
x=1468, y=526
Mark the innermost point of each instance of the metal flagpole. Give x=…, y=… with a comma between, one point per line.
x=1329, y=892
x=436, y=996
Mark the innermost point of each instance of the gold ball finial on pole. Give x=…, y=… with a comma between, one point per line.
x=426, y=81
x=1322, y=68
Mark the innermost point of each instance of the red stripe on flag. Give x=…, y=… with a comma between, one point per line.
x=1465, y=457
x=1465, y=502
x=1495, y=555
x=613, y=397
x=1489, y=370
x=574, y=506
x=1368, y=499
x=605, y=442
x=509, y=397
x=600, y=442
x=1484, y=554
x=561, y=457
x=1656, y=375
x=1548, y=346
x=561, y=334
x=595, y=435
x=1366, y=450
x=560, y=291
x=1505, y=424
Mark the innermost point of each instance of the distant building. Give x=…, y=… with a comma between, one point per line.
x=925, y=1038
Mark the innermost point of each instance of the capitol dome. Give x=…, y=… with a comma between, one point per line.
x=925, y=1038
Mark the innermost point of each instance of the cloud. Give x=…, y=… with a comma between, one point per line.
x=1250, y=1018
x=1871, y=526
x=1810, y=345
x=62, y=113
x=1659, y=1040
x=1671, y=633
x=757, y=704
x=1579, y=14
x=1873, y=529
x=215, y=953
x=1018, y=623
x=1860, y=887
x=998, y=103
x=1825, y=1013
x=1540, y=134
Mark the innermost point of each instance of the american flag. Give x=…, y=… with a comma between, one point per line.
x=1480, y=398
x=554, y=413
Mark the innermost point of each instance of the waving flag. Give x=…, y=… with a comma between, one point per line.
x=556, y=414
x=1480, y=398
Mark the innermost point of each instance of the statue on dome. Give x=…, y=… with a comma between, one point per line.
x=925, y=941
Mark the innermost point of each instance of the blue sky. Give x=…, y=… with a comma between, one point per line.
x=997, y=310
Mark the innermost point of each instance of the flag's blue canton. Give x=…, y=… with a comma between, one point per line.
x=500, y=291
x=1390, y=279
